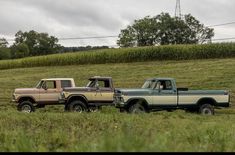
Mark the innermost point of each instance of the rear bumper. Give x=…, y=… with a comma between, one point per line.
x=62, y=101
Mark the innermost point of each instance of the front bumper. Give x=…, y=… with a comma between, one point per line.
x=13, y=101
x=119, y=104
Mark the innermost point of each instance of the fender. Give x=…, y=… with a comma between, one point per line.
x=211, y=100
x=20, y=97
x=71, y=96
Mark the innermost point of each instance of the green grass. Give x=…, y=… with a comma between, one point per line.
x=52, y=129
x=141, y=54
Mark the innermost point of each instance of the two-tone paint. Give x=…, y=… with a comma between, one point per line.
x=91, y=96
x=155, y=98
x=39, y=95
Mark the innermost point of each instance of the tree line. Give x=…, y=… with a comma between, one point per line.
x=149, y=31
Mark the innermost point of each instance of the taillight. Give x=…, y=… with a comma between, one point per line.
x=226, y=93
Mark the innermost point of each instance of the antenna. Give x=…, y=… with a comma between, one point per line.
x=178, y=9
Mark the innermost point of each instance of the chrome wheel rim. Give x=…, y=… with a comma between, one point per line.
x=78, y=108
x=138, y=110
x=26, y=108
x=206, y=111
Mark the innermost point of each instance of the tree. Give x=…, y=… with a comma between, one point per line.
x=3, y=42
x=164, y=29
x=19, y=51
x=5, y=53
x=38, y=43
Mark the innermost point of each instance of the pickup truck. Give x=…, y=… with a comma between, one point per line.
x=162, y=94
x=97, y=93
x=46, y=92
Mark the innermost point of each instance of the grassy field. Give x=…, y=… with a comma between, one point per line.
x=52, y=129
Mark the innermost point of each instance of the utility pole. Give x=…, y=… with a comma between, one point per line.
x=178, y=9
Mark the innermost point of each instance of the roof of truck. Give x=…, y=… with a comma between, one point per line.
x=55, y=79
x=100, y=77
x=161, y=79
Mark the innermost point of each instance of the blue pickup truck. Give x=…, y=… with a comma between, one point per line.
x=162, y=94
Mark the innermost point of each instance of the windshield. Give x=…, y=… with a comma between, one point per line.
x=39, y=84
x=149, y=84
x=91, y=83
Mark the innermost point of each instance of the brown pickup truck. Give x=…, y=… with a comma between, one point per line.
x=46, y=92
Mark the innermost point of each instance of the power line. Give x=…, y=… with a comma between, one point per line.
x=232, y=38
x=221, y=24
x=115, y=36
x=81, y=38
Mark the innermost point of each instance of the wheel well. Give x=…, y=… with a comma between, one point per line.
x=143, y=102
x=26, y=99
x=80, y=98
x=210, y=101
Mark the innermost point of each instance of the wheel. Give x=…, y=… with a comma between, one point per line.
x=95, y=109
x=122, y=110
x=136, y=109
x=26, y=106
x=207, y=109
x=77, y=106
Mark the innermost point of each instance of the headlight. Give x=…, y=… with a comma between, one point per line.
x=62, y=95
x=13, y=96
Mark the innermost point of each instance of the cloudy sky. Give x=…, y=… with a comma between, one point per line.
x=88, y=18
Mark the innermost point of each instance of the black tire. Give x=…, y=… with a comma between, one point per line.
x=122, y=110
x=206, y=109
x=136, y=109
x=77, y=106
x=95, y=109
x=26, y=106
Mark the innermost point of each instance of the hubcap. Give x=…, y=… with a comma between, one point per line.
x=138, y=110
x=26, y=108
x=206, y=111
x=78, y=108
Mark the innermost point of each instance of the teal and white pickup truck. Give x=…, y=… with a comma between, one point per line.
x=162, y=94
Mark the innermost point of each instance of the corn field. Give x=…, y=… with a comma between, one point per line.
x=140, y=54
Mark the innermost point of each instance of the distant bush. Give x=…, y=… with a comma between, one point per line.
x=153, y=53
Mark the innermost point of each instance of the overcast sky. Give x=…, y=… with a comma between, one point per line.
x=87, y=18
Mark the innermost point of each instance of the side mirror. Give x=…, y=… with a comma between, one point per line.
x=44, y=87
x=97, y=86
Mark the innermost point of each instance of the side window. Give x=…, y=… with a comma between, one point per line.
x=66, y=83
x=166, y=85
x=104, y=83
x=50, y=84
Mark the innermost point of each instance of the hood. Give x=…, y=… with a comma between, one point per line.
x=25, y=90
x=135, y=92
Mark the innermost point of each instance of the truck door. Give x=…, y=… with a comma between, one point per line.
x=164, y=94
x=49, y=92
x=103, y=92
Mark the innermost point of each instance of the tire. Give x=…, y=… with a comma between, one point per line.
x=122, y=110
x=95, y=109
x=136, y=109
x=206, y=109
x=77, y=106
x=26, y=106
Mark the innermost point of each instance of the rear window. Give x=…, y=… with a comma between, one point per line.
x=66, y=83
